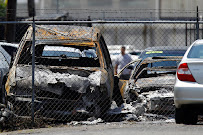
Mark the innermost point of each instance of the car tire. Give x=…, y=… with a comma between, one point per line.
x=100, y=108
x=179, y=115
x=104, y=105
x=101, y=103
x=190, y=117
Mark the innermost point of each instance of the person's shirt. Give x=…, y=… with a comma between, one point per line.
x=121, y=61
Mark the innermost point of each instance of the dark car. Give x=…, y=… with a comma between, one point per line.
x=7, y=51
x=162, y=51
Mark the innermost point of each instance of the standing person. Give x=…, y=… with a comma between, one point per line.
x=121, y=61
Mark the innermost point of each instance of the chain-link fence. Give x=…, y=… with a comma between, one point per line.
x=66, y=71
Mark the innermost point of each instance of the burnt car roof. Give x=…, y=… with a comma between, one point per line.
x=48, y=33
x=166, y=48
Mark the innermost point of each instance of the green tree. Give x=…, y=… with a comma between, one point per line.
x=2, y=8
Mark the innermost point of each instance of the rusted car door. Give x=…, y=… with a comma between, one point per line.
x=108, y=66
x=124, y=84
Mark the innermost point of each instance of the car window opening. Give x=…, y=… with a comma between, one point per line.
x=61, y=55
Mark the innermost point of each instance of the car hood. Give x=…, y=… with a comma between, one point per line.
x=48, y=77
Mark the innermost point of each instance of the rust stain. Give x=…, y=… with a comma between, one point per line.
x=7, y=86
x=89, y=44
x=73, y=33
x=122, y=87
x=100, y=55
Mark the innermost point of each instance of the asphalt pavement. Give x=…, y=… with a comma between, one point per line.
x=139, y=128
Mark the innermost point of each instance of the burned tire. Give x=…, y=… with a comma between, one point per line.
x=104, y=106
x=179, y=115
x=99, y=109
x=97, y=102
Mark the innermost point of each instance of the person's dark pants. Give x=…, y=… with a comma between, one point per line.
x=116, y=93
x=125, y=77
x=117, y=97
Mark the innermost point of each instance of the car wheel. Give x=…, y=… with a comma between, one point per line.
x=99, y=108
x=190, y=117
x=104, y=105
x=100, y=103
x=179, y=115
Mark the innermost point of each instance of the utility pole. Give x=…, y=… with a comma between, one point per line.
x=57, y=6
x=158, y=9
x=10, y=16
x=31, y=8
x=197, y=24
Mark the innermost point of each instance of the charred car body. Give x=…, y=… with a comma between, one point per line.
x=73, y=71
x=7, y=51
x=131, y=88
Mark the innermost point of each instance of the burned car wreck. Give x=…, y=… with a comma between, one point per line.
x=137, y=83
x=73, y=72
x=148, y=97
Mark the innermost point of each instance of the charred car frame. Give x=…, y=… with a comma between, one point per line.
x=66, y=82
x=130, y=89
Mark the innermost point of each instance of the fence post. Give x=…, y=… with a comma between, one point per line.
x=57, y=6
x=197, y=25
x=89, y=24
x=33, y=68
x=186, y=34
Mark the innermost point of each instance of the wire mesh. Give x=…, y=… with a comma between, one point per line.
x=75, y=66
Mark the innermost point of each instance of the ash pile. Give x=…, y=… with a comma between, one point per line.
x=155, y=105
x=152, y=106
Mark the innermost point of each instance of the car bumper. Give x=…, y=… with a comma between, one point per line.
x=187, y=93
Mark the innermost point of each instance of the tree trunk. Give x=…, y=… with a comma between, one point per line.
x=31, y=8
x=11, y=16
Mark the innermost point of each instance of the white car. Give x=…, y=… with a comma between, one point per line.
x=188, y=88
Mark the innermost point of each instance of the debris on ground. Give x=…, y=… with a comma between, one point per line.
x=146, y=106
x=5, y=113
x=161, y=101
x=136, y=111
x=90, y=121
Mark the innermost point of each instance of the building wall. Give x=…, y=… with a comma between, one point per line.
x=187, y=7
x=50, y=6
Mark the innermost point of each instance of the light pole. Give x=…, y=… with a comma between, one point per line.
x=158, y=8
x=57, y=6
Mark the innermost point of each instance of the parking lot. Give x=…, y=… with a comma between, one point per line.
x=146, y=128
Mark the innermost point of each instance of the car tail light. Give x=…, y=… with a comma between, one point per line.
x=184, y=73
